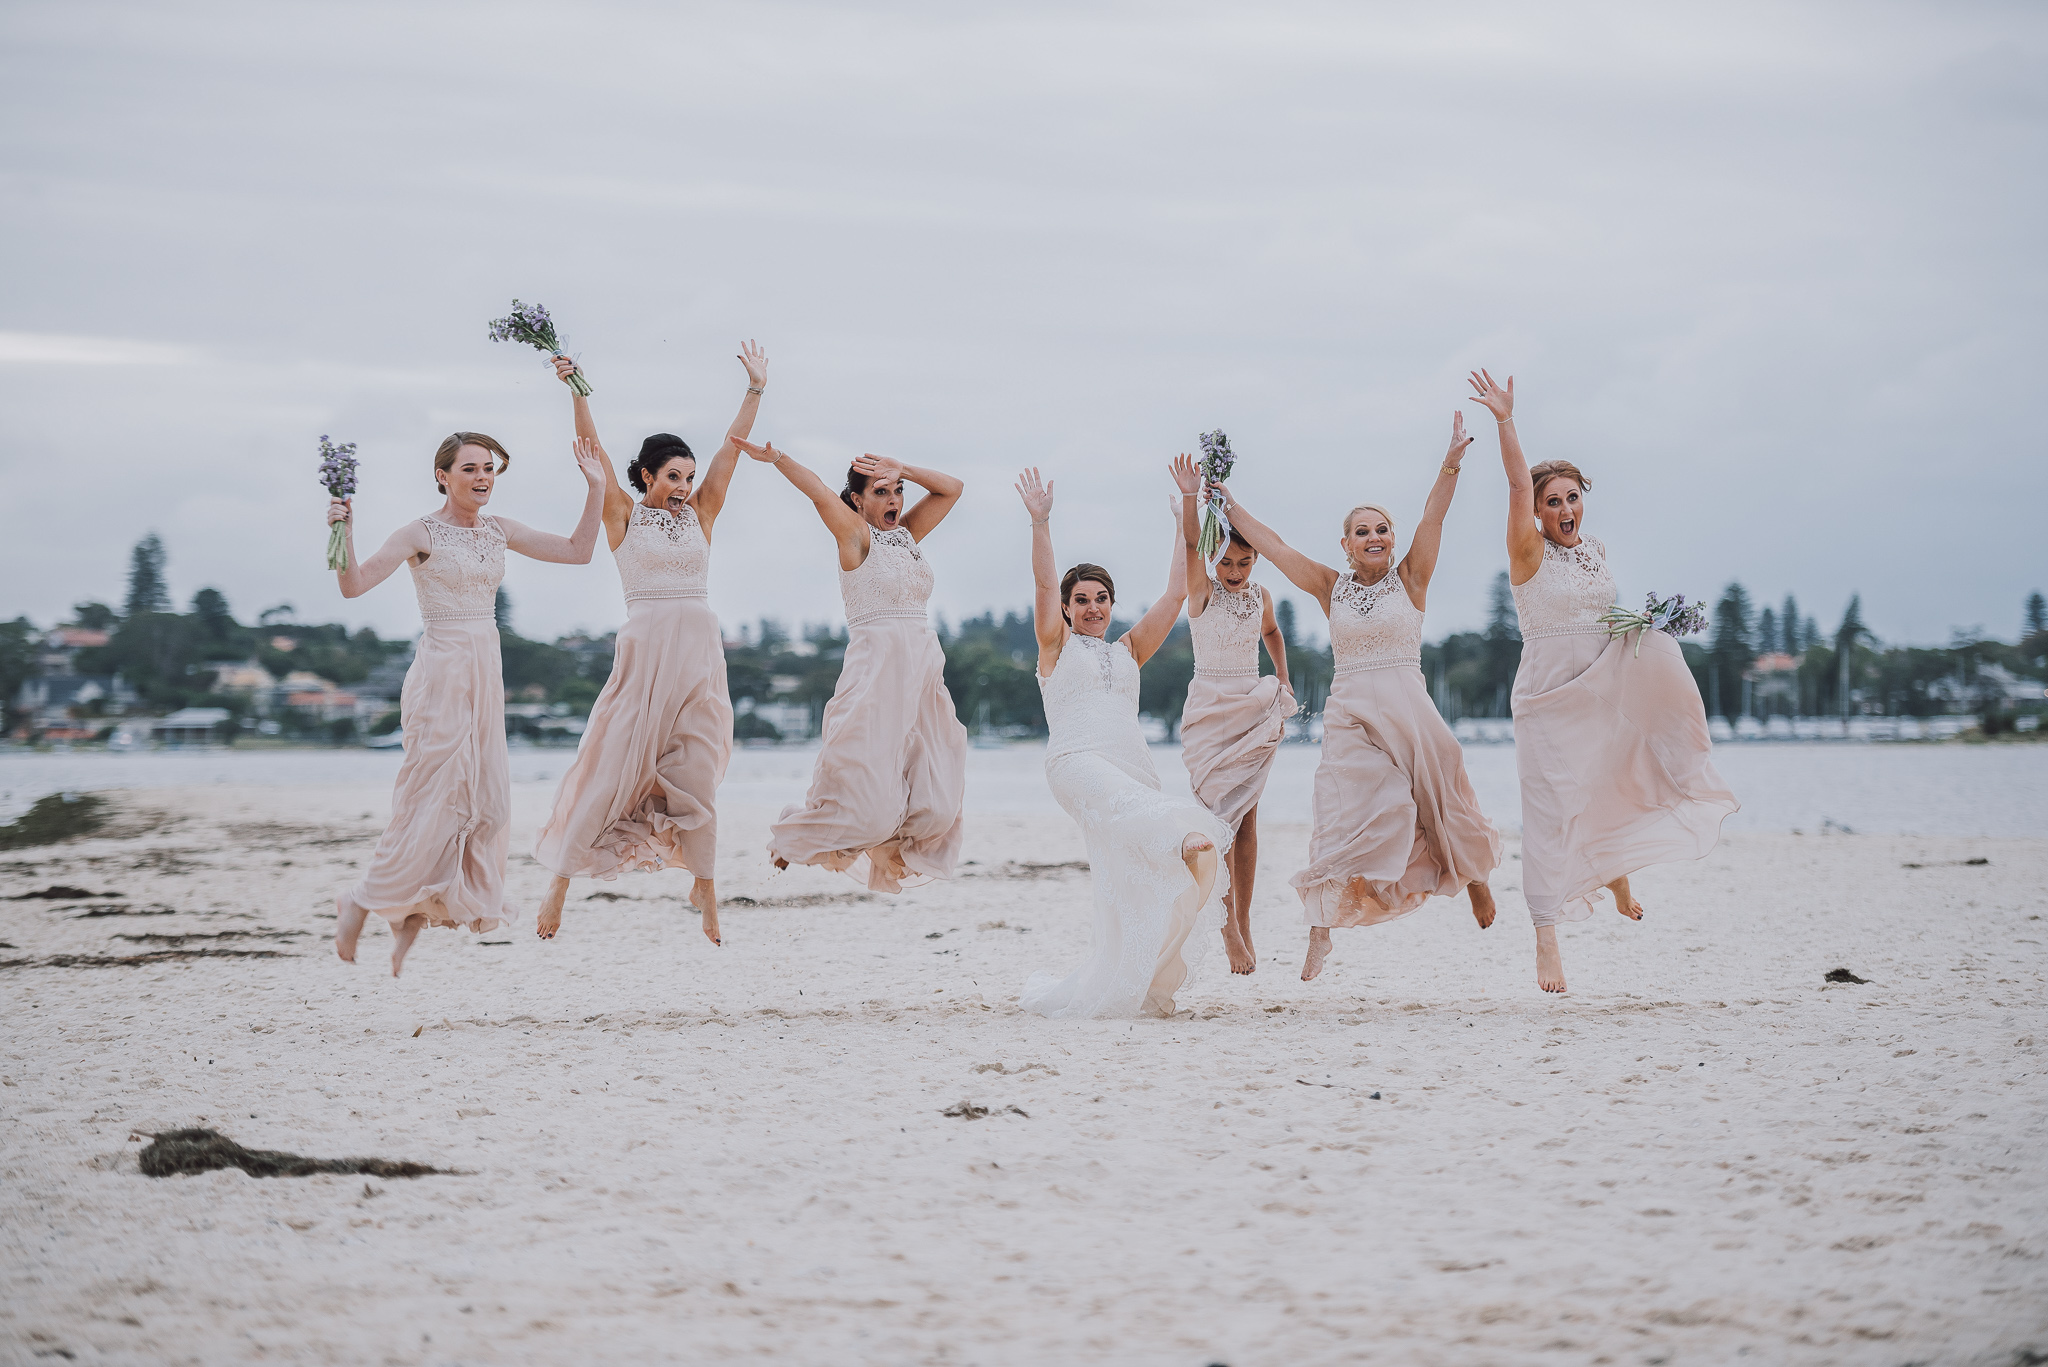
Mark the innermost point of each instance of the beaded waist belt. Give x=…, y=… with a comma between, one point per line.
x=1360, y=666
x=888, y=614
x=638, y=594
x=474, y=615
x=1575, y=629
x=1249, y=671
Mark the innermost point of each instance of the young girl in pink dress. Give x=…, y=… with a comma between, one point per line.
x=1233, y=721
x=1396, y=820
x=641, y=792
x=891, y=777
x=1611, y=740
x=441, y=860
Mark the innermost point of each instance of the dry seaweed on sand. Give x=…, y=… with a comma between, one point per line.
x=60, y=892
x=1843, y=975
x=155, y=956
x=59, y=816
x=177, y=1152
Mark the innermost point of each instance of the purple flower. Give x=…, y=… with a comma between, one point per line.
x=530, y=324
x=338, y=467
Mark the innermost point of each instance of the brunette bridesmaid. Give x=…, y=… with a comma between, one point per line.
x=441, y=860
x=641, y=792
x=1233, y=721
x=1395, y=818
x=1611, y=739
x=891, y=777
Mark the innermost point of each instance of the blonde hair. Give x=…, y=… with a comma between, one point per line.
x=1363, y=507
x=1541, y=475
x=444, y=457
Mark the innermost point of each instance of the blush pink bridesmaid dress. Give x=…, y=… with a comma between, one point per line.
x=1395, y=819
x=891, y=778
x=1233, y=721
x=443, y=853
x=1611, y=742
x=640, y=793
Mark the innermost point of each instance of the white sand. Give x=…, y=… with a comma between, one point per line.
x=685, y=1154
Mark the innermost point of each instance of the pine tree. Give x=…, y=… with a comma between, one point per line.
x=501, y=608
x=1767, y=638
x=1847, y=636
x=2037, y=613
x=1283, y=614
x=1788, y=623
x=1732, y=651
x=1503, y=642
x=147, y=591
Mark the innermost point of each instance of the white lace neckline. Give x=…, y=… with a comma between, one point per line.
x=1364, y=598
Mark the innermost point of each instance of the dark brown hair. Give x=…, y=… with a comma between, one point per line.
x=1076, y=575
x=444, y=458
x=1553, y=469
x=856, y=485
x=657, y=451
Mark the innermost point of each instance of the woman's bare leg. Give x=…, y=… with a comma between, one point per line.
x=1318, y=950
x=348, y=927
x=1237, y=921
x=402, y=936
x=704, y=897
x=1482, y=903
x=550, y=919
x=1625, y=903
x=1549, y=963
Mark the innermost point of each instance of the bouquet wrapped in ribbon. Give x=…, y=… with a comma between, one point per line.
x=529, y=323
x=1217, y=458
x=338, y=473
x=1673, y=616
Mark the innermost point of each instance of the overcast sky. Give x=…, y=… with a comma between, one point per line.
x=1772, y=275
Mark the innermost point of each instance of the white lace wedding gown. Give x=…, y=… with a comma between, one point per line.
x=1147, y=906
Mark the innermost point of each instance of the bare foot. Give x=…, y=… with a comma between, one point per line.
x=1549, y=963
x=550, y=919
x=1318, y=950
x=348, y=927
x=1482, y=903
x=1242, y=960
x=704, y=897
x=1193, y=848
x=780, y=863
x=1624, y=903
x=402, y=936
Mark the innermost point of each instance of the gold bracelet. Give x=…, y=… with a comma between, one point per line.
x=753, y=389
x=1452, y=469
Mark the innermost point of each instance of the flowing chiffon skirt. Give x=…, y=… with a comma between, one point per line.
x=1148, y=910
x=1616, y=766
x=640, y=792
x=1395, y=819
x=891, y=778
x=1230, y=730
x=443, y=854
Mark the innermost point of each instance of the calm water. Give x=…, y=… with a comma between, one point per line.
x=1987, y=790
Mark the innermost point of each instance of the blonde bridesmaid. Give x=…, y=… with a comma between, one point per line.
x=1611, y=740
x=1233, y=721
x=441, y=860
x=1395, y=818
x=641, y=793
x=891, y=777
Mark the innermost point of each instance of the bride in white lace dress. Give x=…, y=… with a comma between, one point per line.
x=1154, y=858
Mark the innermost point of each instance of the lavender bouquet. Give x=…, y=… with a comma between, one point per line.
x=529, y=323
x=1674, y=617
x=338, y=473
x=1217, y=458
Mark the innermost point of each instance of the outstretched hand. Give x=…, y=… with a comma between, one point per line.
x=1460, y=439
x=764, y=452
x=1036, y=493
x=880, y=469
x=1187, y=476
x=564, y=368
x=756, y=362
x=590, y=459
x=1499, y=401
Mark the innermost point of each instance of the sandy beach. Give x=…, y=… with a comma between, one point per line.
x=669, y=1152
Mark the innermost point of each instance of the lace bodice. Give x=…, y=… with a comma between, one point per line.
x=461, y=574
x=1374, y=625
x=1091, y=703
x=663, y=554
x=1226, y=635
x=1569, y=592
x=894, y=581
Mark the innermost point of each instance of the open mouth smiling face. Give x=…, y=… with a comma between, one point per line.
x=1369, y=542
x=472, y=477
x=1234, y=568
x=672, y=485
x=1089, y=607
x=1561, y=508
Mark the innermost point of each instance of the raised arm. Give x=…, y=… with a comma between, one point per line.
x=1276, y=644
x=1194, y=569
x=1304, y=573
x=1049, y=622
x=1525, y=538
x=576, y=547
x=405, y=543
x=1420, y=562
x=1152, y=629
x=717, y=477
x=942, y=491
x=848, y=528
x=618, y=504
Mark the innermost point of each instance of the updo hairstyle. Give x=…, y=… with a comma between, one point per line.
x=1368, y=508
x=1553, y=469
x=1076, y=575
x=657, y=451
x=856, y=485
x=444, y=458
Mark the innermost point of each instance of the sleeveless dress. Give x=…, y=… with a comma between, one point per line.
x=1616, y=765
x=1231, y=726
x=640, y=792
x=443, y=854
x=1396, y=820
x=891, y=778
x=1146, y=904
